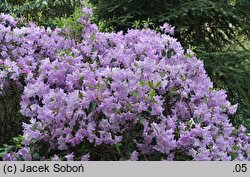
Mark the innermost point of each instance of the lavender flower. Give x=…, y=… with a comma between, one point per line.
x=134, y=156
x=70, y=157
x=85, y=157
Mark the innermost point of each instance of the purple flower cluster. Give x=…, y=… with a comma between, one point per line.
x=138, y=88
x=166, y=28
x=7, y=20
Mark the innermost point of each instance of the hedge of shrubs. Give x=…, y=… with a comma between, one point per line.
x=114, y=96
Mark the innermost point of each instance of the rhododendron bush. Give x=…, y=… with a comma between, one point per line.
x=114, y=96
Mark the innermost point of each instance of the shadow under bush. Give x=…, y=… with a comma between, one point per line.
x=10, y=117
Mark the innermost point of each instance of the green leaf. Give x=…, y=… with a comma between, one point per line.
x=18, y=139
x=141, y=118
x=118, y=147
x=150, y=84
x=157, y=84
x=90, y=86
x=163, y=74
x=3, y=151
x=188, y=55
x=174, y=89
x=152, y=93
x=154, y=101
x=92, y=107
x=80, y=95
x=92, y=37
x=81, y=80
x=15, y=139
x=135, y=94
x=169, y=54
x=236, y=148
x=142, y=83
x=36, y=156
x=234, y=155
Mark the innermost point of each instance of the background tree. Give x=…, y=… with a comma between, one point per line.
x=42, y=12
x=198, y=22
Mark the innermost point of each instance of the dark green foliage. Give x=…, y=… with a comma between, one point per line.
x=203, y=23
x=40, y=11
x=70, y=23
x=10, y=117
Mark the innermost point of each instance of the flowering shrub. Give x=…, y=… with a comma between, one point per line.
x=115, y=96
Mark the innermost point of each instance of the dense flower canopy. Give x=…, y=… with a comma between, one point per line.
x=139, y=92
